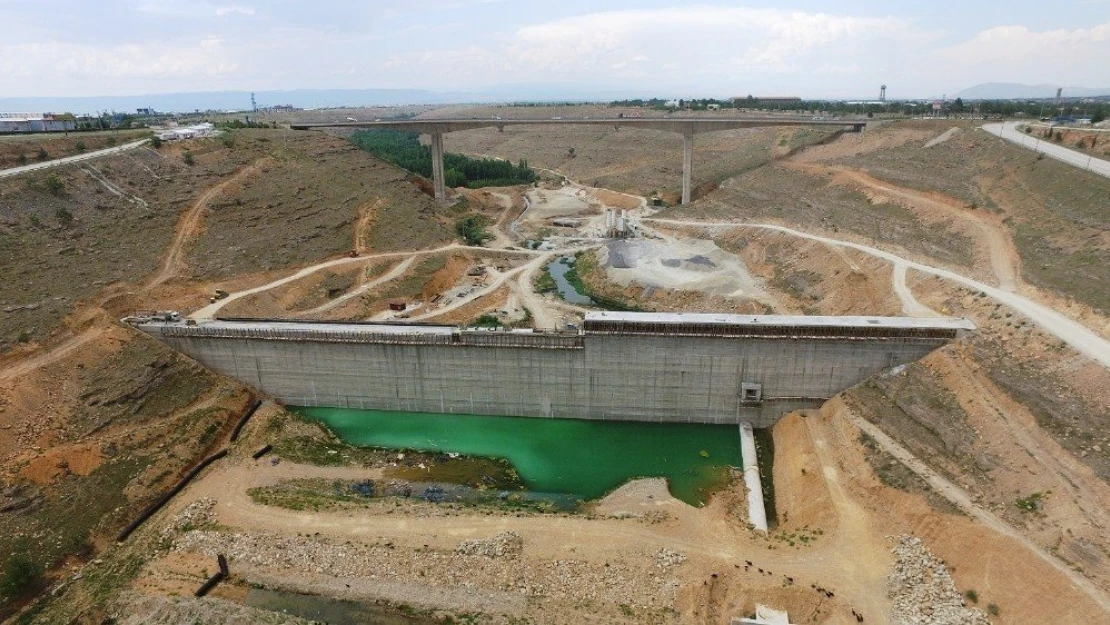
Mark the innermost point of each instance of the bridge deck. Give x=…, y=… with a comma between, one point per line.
x=685, y=125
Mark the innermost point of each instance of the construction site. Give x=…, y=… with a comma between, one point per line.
x=287, y=383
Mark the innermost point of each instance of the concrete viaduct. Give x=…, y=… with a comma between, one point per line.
x=687, y=127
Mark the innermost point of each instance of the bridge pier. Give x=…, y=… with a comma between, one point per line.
x=687, y=164
x=438, y=181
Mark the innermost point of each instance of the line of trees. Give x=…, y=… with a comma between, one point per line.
x=403, y=148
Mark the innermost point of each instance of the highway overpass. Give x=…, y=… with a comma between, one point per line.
x=687, y=127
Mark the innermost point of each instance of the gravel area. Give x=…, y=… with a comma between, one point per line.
x=499, y=564
x=922, y=591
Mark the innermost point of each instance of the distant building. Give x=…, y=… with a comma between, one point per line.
x=146, y=111
x=713, y=107
x=767, y=100
x=188, y=132
x=35, y=122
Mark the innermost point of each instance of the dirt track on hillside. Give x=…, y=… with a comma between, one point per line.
x=191, y=223
x=992, y=235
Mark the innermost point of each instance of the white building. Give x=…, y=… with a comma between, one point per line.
x=188, y=132
x=34, y=122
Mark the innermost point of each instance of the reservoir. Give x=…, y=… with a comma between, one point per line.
x=572, y=456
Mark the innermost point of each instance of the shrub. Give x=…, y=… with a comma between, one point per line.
x=64, y=215
x=80, y=146
x=110, y=141
x=187, y=158
x=54, y=185
x=20, y=574
x=487, y=321
x=1032, y=503
x=971, y=595
x=993, y=609
x=472, y=229
x=22, y=159
x=156, y=142
x=42, y=154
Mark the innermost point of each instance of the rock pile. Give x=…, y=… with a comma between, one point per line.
x=921, y=589
x=504, y=545
x=195, y=515
x=667, y=558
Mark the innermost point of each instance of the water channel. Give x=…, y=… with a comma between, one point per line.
x=574, y=456
x=558, y=269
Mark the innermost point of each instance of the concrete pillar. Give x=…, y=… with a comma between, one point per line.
x=687, y=164
x=437, y=167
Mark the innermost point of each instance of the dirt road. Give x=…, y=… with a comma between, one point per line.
x=392, y=274
x=190, y=225
x=989, y=230
x=24, y=169
x=1071, y=332
x=55, y=354
x=910, y=306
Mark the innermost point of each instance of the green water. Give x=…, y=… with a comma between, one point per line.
x=585, y=458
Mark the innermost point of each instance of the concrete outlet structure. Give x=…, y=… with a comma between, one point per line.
x=699, y=368
x=687, y=127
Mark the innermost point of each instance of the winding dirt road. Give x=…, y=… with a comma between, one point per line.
x=191, y=223
x=1071, y=332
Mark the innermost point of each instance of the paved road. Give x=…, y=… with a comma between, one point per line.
x=1071, y=332
x=1009, y=132
x=15, y=171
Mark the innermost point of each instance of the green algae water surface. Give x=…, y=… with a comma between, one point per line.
x=585, y=458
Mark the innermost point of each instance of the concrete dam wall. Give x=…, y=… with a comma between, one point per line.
x=627, y=366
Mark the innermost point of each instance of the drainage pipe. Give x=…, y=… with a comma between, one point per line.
x=757, y=513
x=243, y=419
x=164, y=499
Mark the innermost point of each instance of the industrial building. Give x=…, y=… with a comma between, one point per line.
x=684, y=367
x=35, y=122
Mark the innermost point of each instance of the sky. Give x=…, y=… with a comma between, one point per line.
x=814, y=49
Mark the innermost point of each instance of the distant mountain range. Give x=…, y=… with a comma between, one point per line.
x=1013, y=90
x=306, y=98
x=535, y=92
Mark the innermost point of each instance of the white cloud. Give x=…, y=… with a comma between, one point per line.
x=234, y=9
x=91, y=67
x=1019, y=54
x=693, y=45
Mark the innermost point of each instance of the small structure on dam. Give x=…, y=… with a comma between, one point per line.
x=684, y=367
